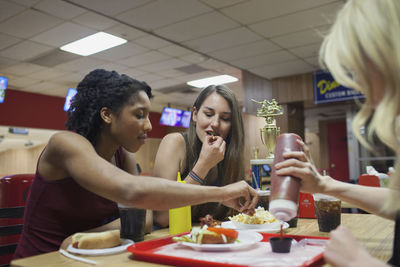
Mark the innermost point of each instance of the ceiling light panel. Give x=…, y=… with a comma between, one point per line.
x=216, y=80
x=93, y=44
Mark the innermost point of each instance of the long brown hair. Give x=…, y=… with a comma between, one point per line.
x=231, y=168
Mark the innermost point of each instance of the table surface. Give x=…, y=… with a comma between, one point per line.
x=375, y=233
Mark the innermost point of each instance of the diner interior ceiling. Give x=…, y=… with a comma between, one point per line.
x=169, y=41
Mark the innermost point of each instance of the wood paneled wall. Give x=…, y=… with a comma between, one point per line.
x=297, y=88
x=257, y=88
x=18, y=161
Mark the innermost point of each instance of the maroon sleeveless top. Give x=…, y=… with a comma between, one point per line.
x=58, y=209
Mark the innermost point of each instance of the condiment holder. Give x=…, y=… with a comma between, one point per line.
x=280, y=244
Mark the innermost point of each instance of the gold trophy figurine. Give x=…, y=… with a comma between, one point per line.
x=268, y=110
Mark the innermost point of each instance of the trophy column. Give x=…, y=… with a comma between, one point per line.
x=268, y=135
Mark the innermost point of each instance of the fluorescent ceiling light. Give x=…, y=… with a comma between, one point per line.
x=93, y=44
x=221, y=79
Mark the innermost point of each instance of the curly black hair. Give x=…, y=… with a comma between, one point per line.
x=100, y=88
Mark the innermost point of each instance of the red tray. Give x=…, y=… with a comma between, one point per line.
x=144, y=251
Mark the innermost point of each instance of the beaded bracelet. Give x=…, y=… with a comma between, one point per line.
x=195, y=177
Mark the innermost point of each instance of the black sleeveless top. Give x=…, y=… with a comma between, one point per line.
x=395, y=260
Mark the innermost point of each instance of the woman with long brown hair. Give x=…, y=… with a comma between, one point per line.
x=209, y=153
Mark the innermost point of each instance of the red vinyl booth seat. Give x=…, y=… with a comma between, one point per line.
x=14, y=191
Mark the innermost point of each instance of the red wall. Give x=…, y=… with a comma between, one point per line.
x=23, y=109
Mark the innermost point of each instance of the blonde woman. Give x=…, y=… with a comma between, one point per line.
x=362, y=51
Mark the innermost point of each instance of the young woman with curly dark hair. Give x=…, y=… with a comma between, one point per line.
x=82, y=173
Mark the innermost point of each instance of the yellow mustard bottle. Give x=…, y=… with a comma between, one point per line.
x=180, y=219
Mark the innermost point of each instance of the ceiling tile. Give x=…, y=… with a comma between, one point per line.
x=25, y=50
x=70, y=79
x=46, y=74
x=7, y=62
x=301, y=38
x=313, y=61
x=194, y=58
x=27, y=3
x=7, y=40
x=150, y=57
x=221, y=3
x=22, y=69
x=94, y=21
x=222, y=40
x=131, y=72
x=21, y=82
x=148, y=78
x=174, y=50
x=126, y=32
x=70, y=32
x=28, y=23
x=164, y=83
x=298, y=21
x=246, y=50
x=258, y=10
x=163, y=13
x=171, y=73
x=204, y=24
x=41, y=87
x=81, y=64
x=163, y=65
x=60, y=91
x=122, y=51
x=59, y=8
x=9, y=9
x=283, y=69
x=54, y=58
x=152, y=42
x=306, y=51
x=212, y=64
x=113, y=66
x=195, y=76
x=110, y=8
x=264, y=59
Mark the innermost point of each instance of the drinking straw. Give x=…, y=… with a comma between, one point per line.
x=255, y=180
x=281, y=235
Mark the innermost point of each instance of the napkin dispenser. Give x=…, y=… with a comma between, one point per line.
x=180, y=219
x=306, y=206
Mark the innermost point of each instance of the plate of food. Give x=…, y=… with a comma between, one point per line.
x=218, y=239
x=99, y=243
x=261, y=221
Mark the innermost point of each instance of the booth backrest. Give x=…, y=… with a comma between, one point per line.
x=14, y=191
x=369, y=180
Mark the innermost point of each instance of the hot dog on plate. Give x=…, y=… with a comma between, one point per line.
x=209, y=235
x=97, y=240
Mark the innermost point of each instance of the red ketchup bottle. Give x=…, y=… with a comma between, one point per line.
x=284, y=189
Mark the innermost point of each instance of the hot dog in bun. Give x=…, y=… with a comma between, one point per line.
x=96, y=240
x=209, y=235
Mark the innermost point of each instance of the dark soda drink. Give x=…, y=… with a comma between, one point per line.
x=328, y=214
x=132, y=223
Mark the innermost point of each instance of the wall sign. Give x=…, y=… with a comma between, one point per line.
x=327, y=90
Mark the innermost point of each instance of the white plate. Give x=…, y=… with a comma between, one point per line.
x=246, y=239
x=264, y=228
x=105, y=251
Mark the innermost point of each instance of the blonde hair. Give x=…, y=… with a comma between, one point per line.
x=364, y=35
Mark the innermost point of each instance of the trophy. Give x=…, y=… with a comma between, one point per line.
x=268, y=110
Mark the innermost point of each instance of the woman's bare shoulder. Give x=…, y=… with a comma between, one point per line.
x=65, y=141
x=174, y=139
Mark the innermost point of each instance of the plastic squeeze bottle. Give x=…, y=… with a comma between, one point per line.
x=180, y=219
x=284, y=189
